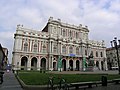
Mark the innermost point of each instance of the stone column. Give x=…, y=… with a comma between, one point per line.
x=18, y=62
x=48, y=63
x=29, y=64
x=100, y=65
x=17, y=43
x=51, y=63
x=19, y=65
x=105, y=63
x=74, y=64
x=38, y=64
x=51, y=47
x=81, y=65
x=16, y=59
x=30, y=45
x=67, y=64
x=67, y=49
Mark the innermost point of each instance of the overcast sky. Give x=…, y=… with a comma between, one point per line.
x=101, y=16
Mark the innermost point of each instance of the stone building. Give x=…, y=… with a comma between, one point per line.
x=3, y=57
x=59, y=46
x=5, y=62
x=112, y=61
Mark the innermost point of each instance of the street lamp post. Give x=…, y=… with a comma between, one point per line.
x=116, y=47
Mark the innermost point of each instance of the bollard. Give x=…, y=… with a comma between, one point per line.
x=40, y=71
x=104, y=80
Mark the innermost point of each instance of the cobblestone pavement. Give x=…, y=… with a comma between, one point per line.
x=10, y=82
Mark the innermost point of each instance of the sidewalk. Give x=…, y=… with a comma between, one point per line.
x=85, y=72
x=10, y=82
x=109, y=87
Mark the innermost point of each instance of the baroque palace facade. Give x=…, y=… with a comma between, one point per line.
x=58, y=44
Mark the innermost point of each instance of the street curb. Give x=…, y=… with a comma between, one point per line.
x=31, y=87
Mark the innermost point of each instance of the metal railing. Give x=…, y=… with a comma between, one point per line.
x=61, y=85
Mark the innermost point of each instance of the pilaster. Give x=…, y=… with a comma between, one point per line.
x=81, y=65
x=100, y=65
x=51, y=63
x=74, y=64
x=67, y=64
x=29, y=64
x=38, y=64
x=106, y=68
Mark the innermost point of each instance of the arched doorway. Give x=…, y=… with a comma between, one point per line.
x=24, y=63
x=102, y=63
x=64, y=65
x=71, y=65
x=77, y=65
x=97, y=64
x=34, y=63
x=43, y=64
x=54, y=66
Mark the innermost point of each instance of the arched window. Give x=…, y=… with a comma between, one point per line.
x=77, y=51
x=71, y=49
x=96, y=54
x=25, y=47
x=35, y=48
x=63, y=32
x=70, y=34
x=91, y=53
x=76, y=35
x=44, y=49
x=54, y=49
x=101, y=54
x=86, y=52
x=64, y=49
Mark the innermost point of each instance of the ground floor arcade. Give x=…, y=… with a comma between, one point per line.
x=52, y=63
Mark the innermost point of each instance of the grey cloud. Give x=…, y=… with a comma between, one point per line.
x=101, y=16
